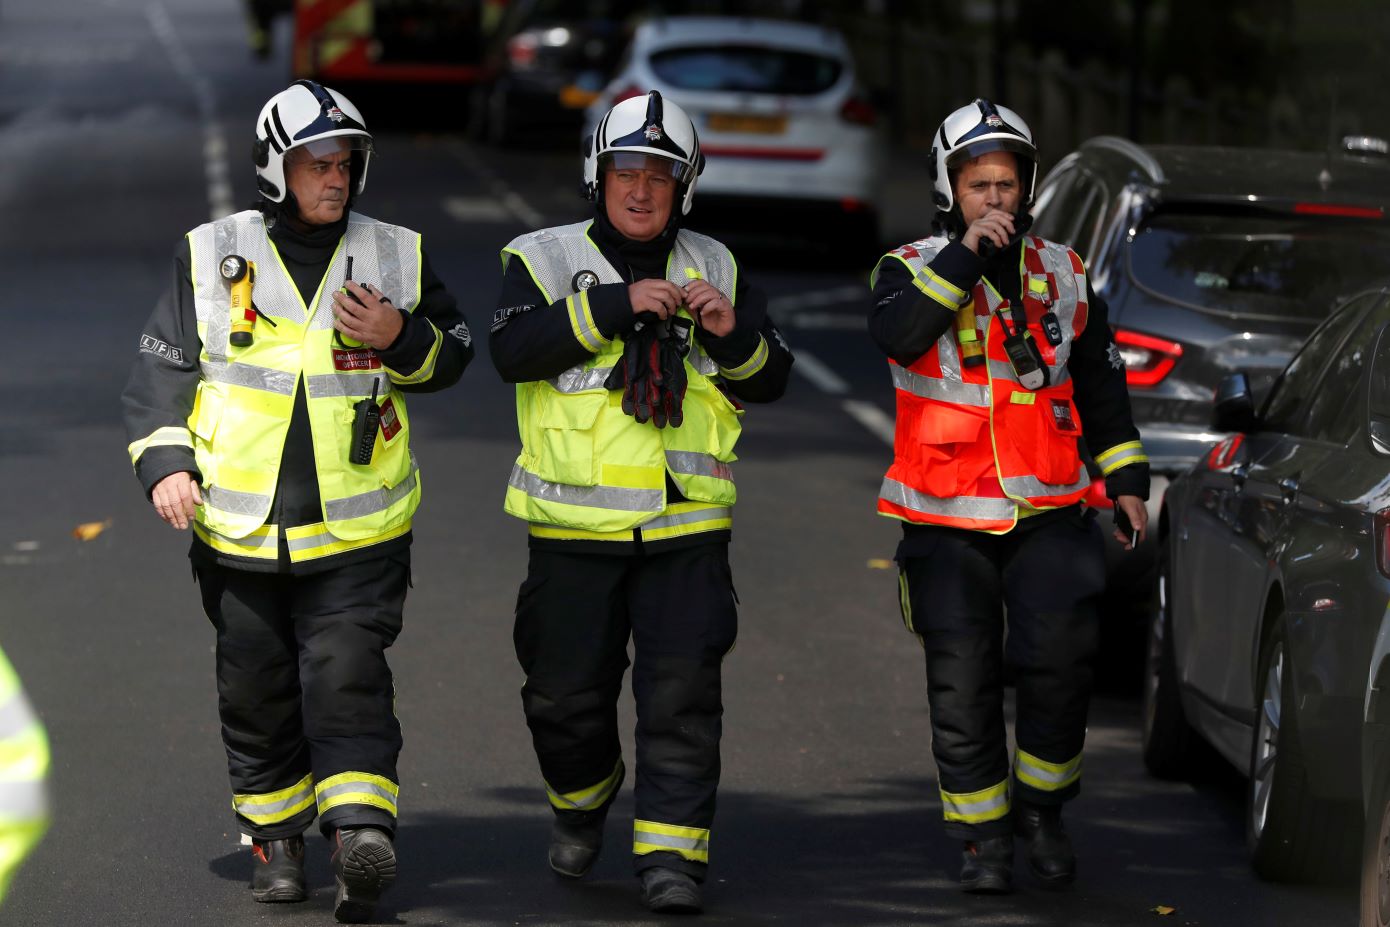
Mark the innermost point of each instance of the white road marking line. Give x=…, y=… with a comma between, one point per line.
x=794, y=302
x=878, y=422
x=827, y=321
x=509, y=198
x=818, y=373
x=476, y=209
x=214, y=144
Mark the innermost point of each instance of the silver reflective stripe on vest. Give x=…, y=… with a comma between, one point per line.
x=714, y=513
x=1030, y=487
x=309, y=542
x=965, y=394
x=977, y=507
x=22, y=800
x=581, y=378
x=707, y=256
x=322, y=385
x=219, y=322
x=613, y=498
x=702, y=362
x=1071, y=289
x=695, y=463
x=369, y=503
x=15, y=716
x=249, y=376
x=1003, y=370
x=236, y=503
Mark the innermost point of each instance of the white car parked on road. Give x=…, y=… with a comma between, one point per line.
x=782, y=120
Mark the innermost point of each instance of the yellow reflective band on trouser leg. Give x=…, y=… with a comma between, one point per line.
x=357, y=788
x=989, y=804
x=274, y=807
x=690, y=843
x=587, y=799
x=1045, y=776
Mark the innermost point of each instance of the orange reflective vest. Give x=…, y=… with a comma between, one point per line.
x=972, y=444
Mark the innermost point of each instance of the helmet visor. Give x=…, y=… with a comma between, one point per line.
x=643, y=161
x=972, y=150
x=327, y=147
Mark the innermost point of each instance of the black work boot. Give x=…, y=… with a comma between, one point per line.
x=277, y=874
x=364, y=862
x=987, y=866
x=670, y=891
x=576, y=838
x=1050, y=855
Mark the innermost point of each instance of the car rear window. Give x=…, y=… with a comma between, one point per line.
x=1254, y=266
x=746, y=69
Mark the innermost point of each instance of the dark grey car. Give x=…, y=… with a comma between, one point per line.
x=1273, y=581
x=1211, y=260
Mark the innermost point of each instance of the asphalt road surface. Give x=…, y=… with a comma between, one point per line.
x=123, y=124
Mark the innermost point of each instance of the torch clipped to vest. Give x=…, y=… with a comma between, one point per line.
x=240, y=275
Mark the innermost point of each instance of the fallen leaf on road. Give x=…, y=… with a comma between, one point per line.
x=1162, y=909
x=878, y=563
x=90, y=529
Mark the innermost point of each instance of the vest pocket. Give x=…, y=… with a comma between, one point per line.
x=1043, y=434
x=565, y=439
x=945, y=435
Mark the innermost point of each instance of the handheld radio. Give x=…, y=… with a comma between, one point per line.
x=366, y=419
x=347, y=341
x=241, y=275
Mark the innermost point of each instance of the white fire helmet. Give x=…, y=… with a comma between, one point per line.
x=303, y=114
x=975, y=130
x=640, y=128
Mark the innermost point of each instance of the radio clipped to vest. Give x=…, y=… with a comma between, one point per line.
x=365, y=421
x=1024, y=355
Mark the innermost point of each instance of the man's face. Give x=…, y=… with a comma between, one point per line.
x=988, y=182
x=318, y=176
x=638, y=200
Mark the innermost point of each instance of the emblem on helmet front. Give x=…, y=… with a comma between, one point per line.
x=653, y=133
x=334, y=113
x=585, y=279
x=994, y=121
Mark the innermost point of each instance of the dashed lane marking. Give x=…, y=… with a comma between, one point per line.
x=214, y=143
x=811, y=367
x=476, y=209
x=509, y=199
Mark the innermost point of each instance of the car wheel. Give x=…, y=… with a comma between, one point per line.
x=1375, y=848
x=1293, y=837
x=1168, y=740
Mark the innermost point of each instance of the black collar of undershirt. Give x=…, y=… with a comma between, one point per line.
x=310, y=245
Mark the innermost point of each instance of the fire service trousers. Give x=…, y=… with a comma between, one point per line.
x=305, y=694
x=575, y=613
x=957, y=588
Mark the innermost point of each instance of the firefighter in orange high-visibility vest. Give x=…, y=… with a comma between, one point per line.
x=1002, y=359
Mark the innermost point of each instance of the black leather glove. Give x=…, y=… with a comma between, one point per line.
x=675, y=344
x=638, y=373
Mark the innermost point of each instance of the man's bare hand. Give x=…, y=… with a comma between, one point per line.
x=659, y=296
x=710, y=308
x=175, y=497
x=374, y=322
x=995, y=225
x=1133, y=507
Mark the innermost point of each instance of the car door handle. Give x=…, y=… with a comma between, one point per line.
x=1288, y=489
x=1238, y=474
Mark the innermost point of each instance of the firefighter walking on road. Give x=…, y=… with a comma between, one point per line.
x=633, y=343
x=1001, y=358
x=267, y=408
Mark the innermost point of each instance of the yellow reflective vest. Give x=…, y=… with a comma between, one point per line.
x=23, y=769
x=586, y=467
x=246, y=394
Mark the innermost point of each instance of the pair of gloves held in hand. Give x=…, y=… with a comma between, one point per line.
x=651, y=373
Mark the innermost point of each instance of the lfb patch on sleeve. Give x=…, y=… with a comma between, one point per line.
x=159, y=348
x=501, y=317
x=461, y=332
x=1113, y=355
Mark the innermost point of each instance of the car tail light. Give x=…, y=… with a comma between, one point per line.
x=627, y=93
x=521, y=50
x=1382, y=530
x=1147, y=359
x=1334, y=209
x=859, y=111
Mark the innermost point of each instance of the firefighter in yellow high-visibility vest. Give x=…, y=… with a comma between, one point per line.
x=267, y=408
x=23, y=771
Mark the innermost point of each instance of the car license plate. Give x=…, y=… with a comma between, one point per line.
x=576, y=97
x=747, y=122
